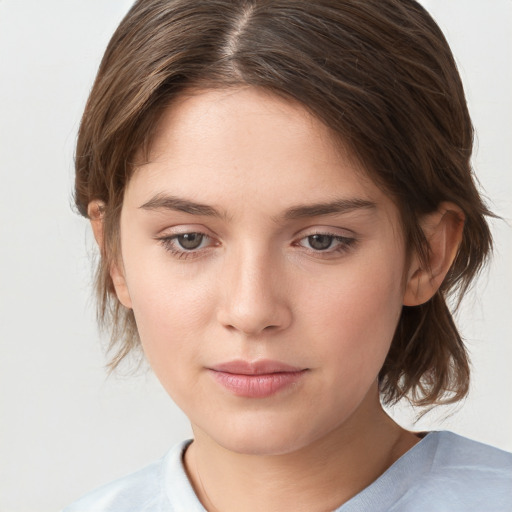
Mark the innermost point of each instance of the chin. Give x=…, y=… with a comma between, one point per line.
x=263, y=445
x=265, y=436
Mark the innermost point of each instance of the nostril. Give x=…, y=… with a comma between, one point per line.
x=252, y=324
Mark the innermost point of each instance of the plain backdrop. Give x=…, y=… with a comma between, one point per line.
x=64, y=426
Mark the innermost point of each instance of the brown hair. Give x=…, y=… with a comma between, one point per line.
x=378, y=73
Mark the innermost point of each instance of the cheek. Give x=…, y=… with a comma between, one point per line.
x=170, y=309
x=357, y=312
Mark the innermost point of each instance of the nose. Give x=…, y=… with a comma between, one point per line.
x=254, y=295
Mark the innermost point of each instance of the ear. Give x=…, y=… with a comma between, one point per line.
x=443, y=231
x=95, y=211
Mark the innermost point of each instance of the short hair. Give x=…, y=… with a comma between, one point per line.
x=378, y=73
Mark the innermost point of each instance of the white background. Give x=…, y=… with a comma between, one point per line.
x=64, y=426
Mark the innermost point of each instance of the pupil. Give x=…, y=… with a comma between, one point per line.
x=320, y=242
x=190, y=240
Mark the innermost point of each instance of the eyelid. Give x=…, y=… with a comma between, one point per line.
x=182, y=229
x=326, y=230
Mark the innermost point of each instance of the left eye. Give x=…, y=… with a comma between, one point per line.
x=320, y=242
x=324, y=242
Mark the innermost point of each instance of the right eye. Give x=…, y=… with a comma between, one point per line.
x=185, y=245
x=190, y=241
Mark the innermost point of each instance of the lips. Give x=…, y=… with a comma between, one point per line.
x=259, y=379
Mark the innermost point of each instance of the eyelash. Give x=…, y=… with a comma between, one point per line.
x=170, y=244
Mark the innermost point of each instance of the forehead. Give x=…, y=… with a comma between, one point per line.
x=244, y=148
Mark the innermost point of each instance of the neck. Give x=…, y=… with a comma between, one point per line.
x=321, y=476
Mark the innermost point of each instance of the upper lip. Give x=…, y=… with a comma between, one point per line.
x=261, y=367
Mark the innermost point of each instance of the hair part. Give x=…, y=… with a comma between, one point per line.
x=378, y=73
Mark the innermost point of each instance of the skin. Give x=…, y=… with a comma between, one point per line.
x=257, y=287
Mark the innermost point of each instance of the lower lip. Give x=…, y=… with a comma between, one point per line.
x=257, y=386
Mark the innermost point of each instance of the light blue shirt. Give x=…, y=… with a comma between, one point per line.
x=444, y=472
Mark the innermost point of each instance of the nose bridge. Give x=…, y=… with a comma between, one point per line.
x=254, y=298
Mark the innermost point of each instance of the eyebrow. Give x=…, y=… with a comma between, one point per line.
x=330, y=208
x=339, y=206
x=165, y=202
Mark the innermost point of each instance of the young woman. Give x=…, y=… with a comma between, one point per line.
x=283, y=199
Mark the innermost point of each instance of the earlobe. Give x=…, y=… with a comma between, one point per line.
x=95, y=211
x=120, y=286
x=443, y=231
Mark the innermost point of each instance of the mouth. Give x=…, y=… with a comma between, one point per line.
x=259, y=379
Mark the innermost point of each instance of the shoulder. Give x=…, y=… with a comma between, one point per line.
x=142, y=491
x=457, y=454
x=463, y=475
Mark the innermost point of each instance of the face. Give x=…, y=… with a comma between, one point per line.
x=265, y=271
